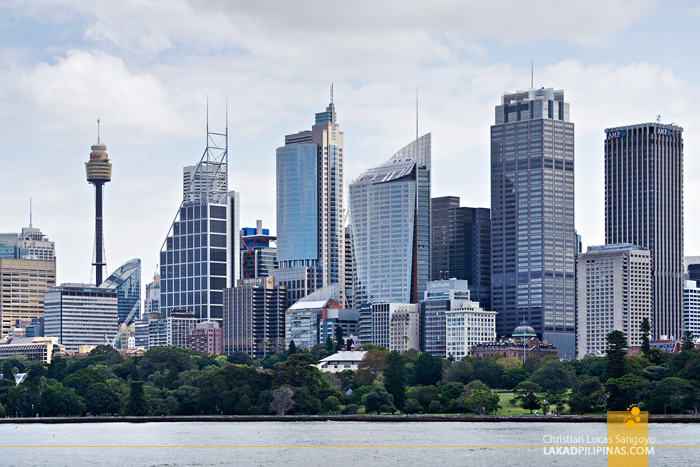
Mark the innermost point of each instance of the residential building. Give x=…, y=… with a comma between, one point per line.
x=258, y=256
x=614, y=294
x=382, y=318
x=158, y=333
x=179, y=324
x=201, y=253
x=644, y=206
x=37, y=349
x=466, y=326
x=254, y=317
x=440, y=297
x=341, y=361
x=349, y=301
x=126, y=281
x=304, y=321
x=691, y=308
x=151, y=303
x=390, y=227
x=206, y=338
x=80, y=314
x=532, y=216
x=461, y=246
x=310, y=214
x=404, y=329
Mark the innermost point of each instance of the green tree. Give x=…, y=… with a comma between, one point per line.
x=644, y=330
x=530, y=402
x=451, y=390
x=58, y=400
x=412, y=406
x=371, y=366
x=424, y=394
x=331, y=404
x=616, y=354
x=460, y=371
x=240, y=358
x=292, y=348
x=305, y=403
x=82, y=379
x=671, y=394
x=488, y=371
x=101, y=399
x=299, y=370
x=688, y=342
x=555, y=377
x=395, y=377
x=137, y=405
x=330, y=345
x=513, y=376
x=368, y=347
x=527, y=386
x=339, y=337
x=632, y=386
x=479, y=401
x=221, y=390
x=691, y=370
x=427, y=370
x=379, y=400
x=7, y=371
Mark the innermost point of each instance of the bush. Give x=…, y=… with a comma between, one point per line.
x=435, y=407
x=412, y=406
x=350, y=410
x=331, y=404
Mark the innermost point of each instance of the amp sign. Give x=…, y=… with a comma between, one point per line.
x=616, y=134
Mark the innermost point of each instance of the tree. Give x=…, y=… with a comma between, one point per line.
x=370, y=367
x=412, y=406
x=299, y=370
x=379, y=400
x=513, y=376
x=451, y=390
x=460, y=371
x=632, y=386
x=644, y=329
x=529, y=402
x=339, y=337
x=331, y=404
x=554, y=377
x=240, y=358
x=527, y=386
x=7, y=371
x=330, y=345
x=691, y=370
x=616, y=353
x=367, y=347
x=671, y=394
x=427, y=370
x=488, y=371
x=395, y=377
x=58, y=400
x=292, y=348
x=424, y=394
x=137, y=405
x=282, y=400
x=688, y=342
x=82, y=379
x=479, y=401
x=100, y=399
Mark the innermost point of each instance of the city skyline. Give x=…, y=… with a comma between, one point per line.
x=153, y=106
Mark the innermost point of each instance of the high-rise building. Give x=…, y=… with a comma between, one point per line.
x=467, y=326
x=440, y=297
x=614, y=291
x=200, y=256
x=532, y=216
x=383, y=317
x=312, y=319
x=151, y=304
x=126, y=281
x=644, y=206
x=258, y=256
x=99, y=171
x=390, y=227
x=254, y=317
x=461, y=246
x=80, y=314
x=691, y=308
x=30, y=244
x=310, y=221
x=404, y=329
x=206, y=337
x=22, y=286
x=349, y=296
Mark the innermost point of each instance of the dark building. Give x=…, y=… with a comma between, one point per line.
x=258, y=256
x=532, y=216
x=644, y=206
x=694, y=272
x=461, y=246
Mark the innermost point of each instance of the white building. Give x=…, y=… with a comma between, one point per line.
x=691, y=308
x=152, y=302
x=404, y=329
x=466, y=326
x=614, y=293
x=382, y=318
x=341, y=361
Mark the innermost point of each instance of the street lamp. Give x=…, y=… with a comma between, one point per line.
x=524, y=331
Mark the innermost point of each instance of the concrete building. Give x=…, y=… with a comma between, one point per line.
x=468, y=325
x=532, y=216
x=341, y=361
x=404, y=329
x=614, y=294
x=644, y=206
x=440, y=296
x=179, y=324
x=514, y=348
x=254, y=317
x=158, y=333
x=151, y=304
x=27, y=328
x=461, y=246
x=80, y=314
x=206, y=338
x=382, y=318
x=346, y=318
x=310, y=213
x=201, y=253
x=30, y=244
x=37, y=349
x=390, y=227
x=691, y=308
x=349, y=270
x=258, y=255
x=306, y=322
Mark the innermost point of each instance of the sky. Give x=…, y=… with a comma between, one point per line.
x=147, y=68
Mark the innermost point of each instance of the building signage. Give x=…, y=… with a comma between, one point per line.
x=664, y=131
x=616, y=134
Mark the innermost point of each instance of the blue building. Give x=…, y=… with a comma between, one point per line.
x=126, y=281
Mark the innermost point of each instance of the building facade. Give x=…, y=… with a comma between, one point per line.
x=691, y=308
x=206, y=338
x=466, y=326
x=461, y=246
x=307, y=321
x=36, y=349
x=532, y=216
x=126, y=281
x=644, y=206
x=404, y=329
x=310, y=213
x=390, y=227
x=23, y=283
x=178, y=325
x=614, y=294
x=258, y=255
x=440, y=297
x=254, y=317
x=151, y=304
x=79, y=314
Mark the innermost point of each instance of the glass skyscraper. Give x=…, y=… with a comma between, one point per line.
x=390, y=227
x=126, y=281
x=532, y=216
x=310, y=227
x=644, y=206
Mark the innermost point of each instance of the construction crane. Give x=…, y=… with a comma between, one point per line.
x=122, y=327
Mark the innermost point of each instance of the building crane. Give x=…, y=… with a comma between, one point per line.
x=122, y=327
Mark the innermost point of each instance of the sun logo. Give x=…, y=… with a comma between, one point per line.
x=631, y=422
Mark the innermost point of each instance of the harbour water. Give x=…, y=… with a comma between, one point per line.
x=326, y=443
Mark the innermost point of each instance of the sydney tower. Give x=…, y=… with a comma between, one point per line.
x=99, y=172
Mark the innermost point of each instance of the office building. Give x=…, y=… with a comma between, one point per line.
x=22, y=286
x=310, y=214
x=644, y=206
x=347, y=318
x=206, y=338
x=151, y=304
x=404, y=329
x=258, y=255
x=179, y=324
x=80, y=314
x=31, y=243
x=254, y=317
x=468, y=325
x=614, y=294
x=691, y=308
x=390, y=227
x=201, y=253
x=349, y=271
x=126, y=281
x=307, y=321
x=36, y=349
x=158, y=333
x=461, y=246
x=532, y=216
x=27, y=328
x=383, y=316
x=440, y=297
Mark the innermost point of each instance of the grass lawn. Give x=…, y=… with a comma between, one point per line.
x=505, y=398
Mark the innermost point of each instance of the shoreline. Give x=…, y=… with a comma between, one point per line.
x=349, y=418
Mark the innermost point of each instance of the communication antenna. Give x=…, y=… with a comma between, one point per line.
x=416, y=116
x=98, y=130
x=658, y=119
x=331, y=93
x=30, y=213
x=532, y=74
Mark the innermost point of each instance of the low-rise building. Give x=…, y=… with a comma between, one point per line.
x=341, y=361
x=206, y=338
x=39, y=349
x=467, y=325
x=515, y=348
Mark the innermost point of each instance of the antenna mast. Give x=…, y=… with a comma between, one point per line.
x=532, y=74
x=30, y=213
x=416, y=115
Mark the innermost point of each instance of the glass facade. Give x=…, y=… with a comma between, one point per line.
x=532, y=216
x=126, y=281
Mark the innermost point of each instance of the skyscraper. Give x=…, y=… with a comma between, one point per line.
x=126, y=281
x=390, y=227
x=200, y=256
x=310, y=224
x=258, y=256
x=644, y=206
x=532, y=216
x=99, y=172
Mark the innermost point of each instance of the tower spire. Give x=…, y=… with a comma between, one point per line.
x=416, y=115
x=532, y=74
x=30, y=213
x=98, y=130
x=331, y=93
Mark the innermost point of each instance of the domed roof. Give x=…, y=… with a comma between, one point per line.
x=524, y=331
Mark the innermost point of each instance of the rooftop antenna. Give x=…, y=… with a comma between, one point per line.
x=98, y=131
x=331, y=93
x=416, y=115
x=30, y=213
x=532, y=74
x=207, y=119
x=658, y=119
